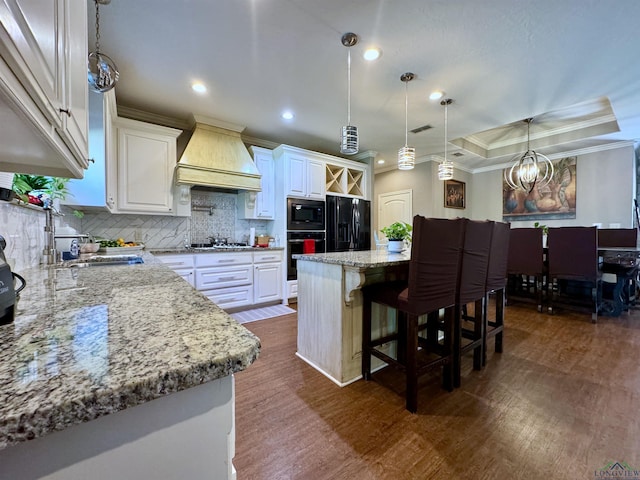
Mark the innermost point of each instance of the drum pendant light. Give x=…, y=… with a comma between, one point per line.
x=349, y=137
x=406, y=155
x=102, y=71
x=445, y=169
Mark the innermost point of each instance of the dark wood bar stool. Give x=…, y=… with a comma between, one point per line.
x=473, y=283
x=496, y=285
x=623, y=265
x=434, y=274
x=525, y=267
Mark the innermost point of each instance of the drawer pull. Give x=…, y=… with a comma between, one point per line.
x=225, y=261
x=226, y=279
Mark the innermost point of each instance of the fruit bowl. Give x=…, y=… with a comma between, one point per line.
x=89, y=247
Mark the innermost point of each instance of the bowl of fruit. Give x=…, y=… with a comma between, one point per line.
x=119, y=246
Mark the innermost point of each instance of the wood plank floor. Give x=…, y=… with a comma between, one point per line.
x=560, y=403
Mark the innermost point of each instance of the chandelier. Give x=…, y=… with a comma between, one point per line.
x=445, y=169
x=530, y=170
x=406, y=155
x=349, y=137
x=102, y=71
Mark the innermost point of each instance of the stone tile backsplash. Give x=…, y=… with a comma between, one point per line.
x=213, y=214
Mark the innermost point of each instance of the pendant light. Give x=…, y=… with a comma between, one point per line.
x=102, y=71
x=530, y=170
x=406, y=155
x=445, y=169
x=349, y=137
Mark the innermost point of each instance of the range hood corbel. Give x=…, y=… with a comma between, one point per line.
x=216, y=157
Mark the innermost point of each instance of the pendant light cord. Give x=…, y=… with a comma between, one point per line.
x=97, y=26
x=406, y=113
x=349, y=86
x=446, y=122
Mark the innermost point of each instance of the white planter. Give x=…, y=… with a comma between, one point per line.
x=395, y=246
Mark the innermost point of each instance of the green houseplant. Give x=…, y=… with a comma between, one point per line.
x=397, y=233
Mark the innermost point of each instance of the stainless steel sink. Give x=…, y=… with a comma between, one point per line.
x=102, y=261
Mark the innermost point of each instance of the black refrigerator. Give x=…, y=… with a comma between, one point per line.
x=348, y=224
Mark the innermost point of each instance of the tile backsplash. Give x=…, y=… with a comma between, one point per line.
x=213, y=214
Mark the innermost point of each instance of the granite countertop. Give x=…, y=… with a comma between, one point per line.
x=87, y=342
x=183, y=250
x=361, y=259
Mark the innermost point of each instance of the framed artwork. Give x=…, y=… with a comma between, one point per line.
x=554, y=201
x=454, y=194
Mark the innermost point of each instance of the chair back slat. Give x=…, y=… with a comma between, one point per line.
x=498, y=256
x=525, y=251
x=434, y=268
x=573, y=253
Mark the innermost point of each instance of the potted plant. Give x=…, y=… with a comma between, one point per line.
x=397, y=233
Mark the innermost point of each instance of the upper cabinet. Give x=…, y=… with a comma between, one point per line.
x=312, y=175
x=145, y=167
x=134, y=163
x=303, y=172
x=43, y=87
x=260, y=205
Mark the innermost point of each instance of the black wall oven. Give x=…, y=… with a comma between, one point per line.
x=299, y=243
x=305, y=214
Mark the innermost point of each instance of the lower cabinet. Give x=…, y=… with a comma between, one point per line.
x=232, y=279
x=183, y=265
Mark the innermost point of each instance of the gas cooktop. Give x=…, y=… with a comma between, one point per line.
x=220, y=246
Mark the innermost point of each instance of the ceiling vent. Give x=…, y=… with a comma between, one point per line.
x=421, y=129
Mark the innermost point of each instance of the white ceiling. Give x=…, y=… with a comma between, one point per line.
x=501, y=61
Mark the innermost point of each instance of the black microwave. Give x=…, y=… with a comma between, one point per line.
x=305, y=214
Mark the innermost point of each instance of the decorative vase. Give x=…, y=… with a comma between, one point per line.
x=396, y=246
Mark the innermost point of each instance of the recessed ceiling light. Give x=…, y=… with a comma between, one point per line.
x=372, y=53
x=287, y=115
x=437, y=95
x=381, y=161
x=198, y=87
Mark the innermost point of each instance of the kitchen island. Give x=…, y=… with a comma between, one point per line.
x=330, y=307
x=118, y=372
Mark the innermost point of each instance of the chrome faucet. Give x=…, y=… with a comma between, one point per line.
x=49, y=252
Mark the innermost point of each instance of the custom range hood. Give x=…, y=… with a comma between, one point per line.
x=216, y=157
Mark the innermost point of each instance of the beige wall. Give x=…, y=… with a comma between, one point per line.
x=605, y=191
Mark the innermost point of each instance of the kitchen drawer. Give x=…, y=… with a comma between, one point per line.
x=269, y=256
x=221, y=277
x=175, y=262
x=223, y=259
x=231, y=297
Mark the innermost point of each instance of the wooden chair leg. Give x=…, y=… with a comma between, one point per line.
x=448, y=368
x=412, y=362
x=500, y=301
x=457, y=346
x=478, y=333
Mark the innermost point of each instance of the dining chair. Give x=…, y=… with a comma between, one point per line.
x=525, y=267
x=432, y=285
x=469, y=329
x=617, y=237
x=496, y=286
x=574, y=276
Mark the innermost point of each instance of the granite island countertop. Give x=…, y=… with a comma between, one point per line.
x=87, y=342
x=359, y=259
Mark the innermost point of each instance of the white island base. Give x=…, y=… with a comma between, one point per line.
x=189, y=434
x=330, y=309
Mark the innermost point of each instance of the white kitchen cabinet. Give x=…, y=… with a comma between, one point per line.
x=99, y=185
x=346, y=179
x=304, y=174
x=145, y=167
x=267, y=276
x=225, y=278
x=43, y=87
x=183, y=265
x=260, y=205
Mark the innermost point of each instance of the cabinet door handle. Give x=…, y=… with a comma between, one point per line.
x=65, y=110
x=91, y=160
